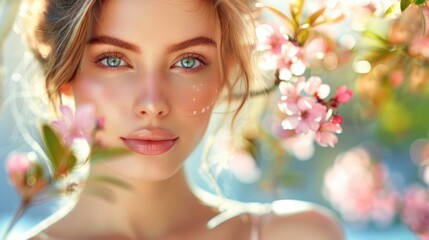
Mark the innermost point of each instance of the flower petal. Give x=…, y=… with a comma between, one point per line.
x=290, y=123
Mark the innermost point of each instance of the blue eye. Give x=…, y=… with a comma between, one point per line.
x=113, y=62
x=189, y=62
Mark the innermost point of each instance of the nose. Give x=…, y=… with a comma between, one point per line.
x=151, y=100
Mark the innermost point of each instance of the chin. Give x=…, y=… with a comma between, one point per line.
x=135, y=166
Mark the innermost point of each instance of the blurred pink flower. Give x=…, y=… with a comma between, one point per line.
x=270, y=39
x=419, y=152
x=420, y=47
x=299, y=145
x=397, y=77
x=243, y=166
x=415, y=211
x=314, y=49
x=17, y=166
x=76, y=125
x=325, y=136
x=343, y=94
x=18, y=163
x=407, y=27
x=358, y=188
x=303, y=116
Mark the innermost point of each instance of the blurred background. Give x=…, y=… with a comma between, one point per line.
x=361, y=149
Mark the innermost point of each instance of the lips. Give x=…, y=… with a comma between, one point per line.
x=150, y=141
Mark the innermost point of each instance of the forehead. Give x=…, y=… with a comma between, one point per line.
x=157, y=21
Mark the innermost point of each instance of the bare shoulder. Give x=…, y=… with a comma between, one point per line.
x=299, y=220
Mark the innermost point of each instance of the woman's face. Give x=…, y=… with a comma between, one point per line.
x=153, y=70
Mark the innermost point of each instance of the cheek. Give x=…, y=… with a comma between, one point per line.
x=88, y=91
x=105, y=97
x=197, y=98
x=108, y=101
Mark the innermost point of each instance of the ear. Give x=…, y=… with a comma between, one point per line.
x=66, y=90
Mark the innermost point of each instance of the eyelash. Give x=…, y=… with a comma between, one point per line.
x=195, y=56
x=97, y=60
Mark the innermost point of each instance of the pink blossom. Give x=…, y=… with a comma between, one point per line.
x=337, y=119
x=303, y=116
x=314, y=87
x=343, y=94
x=17, y=166
x=292, y=90
x=416, y=210
x=397, y=77
x=314, y=49
x=420, y=47
x=358, y=188
x=325, y=136
x=76, y=125
x=407, y=27
x=271, y=39
x=291, y=61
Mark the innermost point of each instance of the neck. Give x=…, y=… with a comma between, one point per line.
x=156, y=208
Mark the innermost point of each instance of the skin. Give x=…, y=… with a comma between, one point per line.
x=149, y=88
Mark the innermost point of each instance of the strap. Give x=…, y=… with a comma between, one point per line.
x=255, y=231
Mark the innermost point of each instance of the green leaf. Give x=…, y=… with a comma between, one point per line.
x=35, y=172
x=294, y=12
x=419, y=2
x=280, y=14
x=303, y=37
x=375, y=55
x=100, y=154
x=405, y=4
x=110, y=180
x=392, y=9
x=313, y=17
x=71, y=161
x=39, y=172
x=375, y=36
x=54, y=145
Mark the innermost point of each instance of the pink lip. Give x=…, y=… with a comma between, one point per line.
x=150, y=141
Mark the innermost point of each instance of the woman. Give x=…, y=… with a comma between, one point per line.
x=154, y=70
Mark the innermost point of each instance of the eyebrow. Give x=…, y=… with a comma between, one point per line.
x=114, y=42
x=201, y=40
x=192, y=42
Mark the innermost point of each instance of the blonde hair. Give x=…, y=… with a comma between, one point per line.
x=59, y=31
